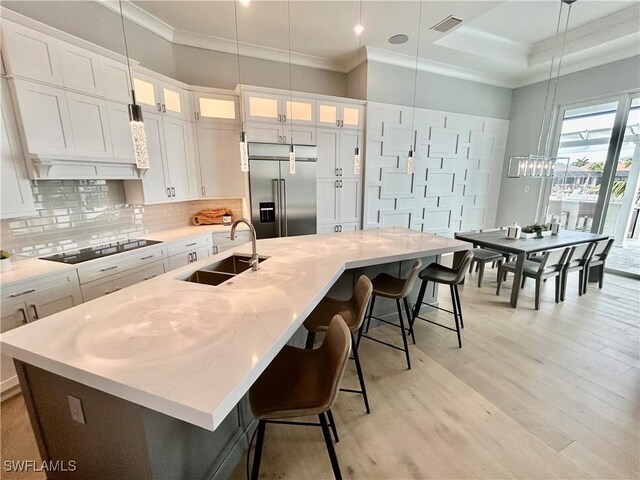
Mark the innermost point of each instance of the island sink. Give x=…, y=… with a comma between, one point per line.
x=219, y=272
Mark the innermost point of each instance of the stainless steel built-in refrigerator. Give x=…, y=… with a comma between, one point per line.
x=282, y=204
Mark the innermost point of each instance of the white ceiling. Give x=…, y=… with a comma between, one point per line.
x=507, y=43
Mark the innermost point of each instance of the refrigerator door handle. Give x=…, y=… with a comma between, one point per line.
x=284, y=206
x=276, y=184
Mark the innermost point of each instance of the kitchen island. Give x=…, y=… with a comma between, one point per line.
x=150, y=381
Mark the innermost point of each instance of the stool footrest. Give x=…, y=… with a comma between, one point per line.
x=435, y=306
x=389, y=323
x=436, y=323
x=352, y=390
x=384, y=343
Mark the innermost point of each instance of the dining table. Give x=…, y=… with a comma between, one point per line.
x=523, y=247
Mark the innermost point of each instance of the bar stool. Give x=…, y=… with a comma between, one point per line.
x=447, y=276
x=352, y=312
x=388, y=286
x=300, y=382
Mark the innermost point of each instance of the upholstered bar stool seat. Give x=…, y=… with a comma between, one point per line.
x=352, y=312
x=300, y=382
x=388, y=286
x=439, y=274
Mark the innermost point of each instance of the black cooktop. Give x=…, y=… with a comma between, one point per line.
x=100, y=251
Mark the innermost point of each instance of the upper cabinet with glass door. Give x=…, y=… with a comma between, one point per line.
x=155, y=95
x=216, y=108
x=278, y=108
x=340, y=115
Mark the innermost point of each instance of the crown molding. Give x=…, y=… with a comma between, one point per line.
x=141, y=17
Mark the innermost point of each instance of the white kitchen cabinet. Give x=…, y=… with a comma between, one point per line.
x=222, y=241
x=339, y=115
x=186, y=258
x=115, y=264
x=44, y=115
x=327, y=201
x=266, y=133
x=348, y=141
x=89, y=125
x=349, y=200
x=80, y=69
x=171, y=175
x=121, y=141
x=30, y=54
x=28, y=302
x=278, y=108
x=336, y=150
x=153, y=94
x=116, y=282
x=339, y=202
x=115, y=78
x=216, y=108
x=189, y=250
x=219, y=161
x=16, y=197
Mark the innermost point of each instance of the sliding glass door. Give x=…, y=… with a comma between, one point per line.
x=597, y=188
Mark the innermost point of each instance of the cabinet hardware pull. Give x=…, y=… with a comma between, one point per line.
x=164, y=108
x=113, y=290
x=284, y=119
x=35, y=312
x=337, y=172
x=25, y=320
x=216, y=250
x=195, y=256
x=108, y=268
x=335, y=229
x=190, y=257
x=192, y=244
x=31, y=290
x=340, y=227
x=337, y=184
x=173, y=191
x=168, y=192
x=148, y=257
x=342, y=123
x=340, y=183
x=285, y=139
x=337, y=123
x=158, y=107
x=150, y=277
x=204, y=190
x=280, y=117
x=197, y=115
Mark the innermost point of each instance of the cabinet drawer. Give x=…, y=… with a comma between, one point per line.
x=223, y=240
x=112, y=284
x=121, y=262
x=189, y=245
x=33, y=289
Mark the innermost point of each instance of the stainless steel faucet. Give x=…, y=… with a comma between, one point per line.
x=254, y=255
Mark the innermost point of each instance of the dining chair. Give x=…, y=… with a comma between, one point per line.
x=482, y=256
x=598, y=259
x=551, y=265
x=577, y=260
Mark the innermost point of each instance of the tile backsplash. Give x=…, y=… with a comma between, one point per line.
x=72, y=214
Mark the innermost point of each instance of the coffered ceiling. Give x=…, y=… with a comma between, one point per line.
x=506, y=43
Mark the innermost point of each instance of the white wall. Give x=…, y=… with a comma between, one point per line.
x=457, y=169
x=525, y=117
x=393, y=84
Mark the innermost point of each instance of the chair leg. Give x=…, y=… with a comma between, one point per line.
x=408, y=311
x=332, y=452
x=311, y=338
x=332, y=424
x=471, y=266
x=563, y=284
x=601, y=276
x=580, y=281
x=455, y=289
x=404, y=334
x=480, y=274
x=501, y=277
x=416, y=308
x=455, y=315
x=257, y=455
x=523, y=280
x=558, y=288
x=538, y=291
x=356, y=357
x=373, y=301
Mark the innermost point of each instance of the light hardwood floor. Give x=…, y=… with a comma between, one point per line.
x=531, y=395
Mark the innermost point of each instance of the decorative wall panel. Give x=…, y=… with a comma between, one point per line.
x=457, y=169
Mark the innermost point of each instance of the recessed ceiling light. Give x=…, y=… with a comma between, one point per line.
x=358, y=29
x=398, y=39
x=245, y=2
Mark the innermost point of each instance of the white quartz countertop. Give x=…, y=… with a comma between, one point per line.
x=32, y=268
x=192, y=351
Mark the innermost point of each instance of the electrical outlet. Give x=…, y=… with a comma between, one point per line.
x=526, y=189
x=77, y=412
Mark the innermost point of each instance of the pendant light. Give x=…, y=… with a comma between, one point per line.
x=410, y=163
x=292, y=149
x=244, y=149
x=541, y=164
x=359, y=28
x=136, y=122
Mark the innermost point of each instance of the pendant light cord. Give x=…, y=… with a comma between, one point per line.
x=290, y=75
x=235, y=13
x=126, y=52
x=359, y=48
x=415, y=77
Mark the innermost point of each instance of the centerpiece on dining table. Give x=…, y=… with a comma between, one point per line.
x=535, y=231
